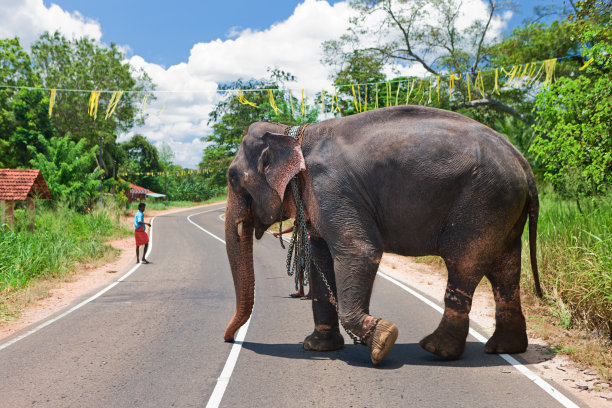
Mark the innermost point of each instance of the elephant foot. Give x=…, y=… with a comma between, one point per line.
x=324, y=340
x=508, y=339
x=381, y=341
x=448, y=340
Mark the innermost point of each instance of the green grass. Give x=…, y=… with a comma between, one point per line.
x=62, y=239
x=575, y=261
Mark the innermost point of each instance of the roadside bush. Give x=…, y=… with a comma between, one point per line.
x=575, y=261
x=63, y=237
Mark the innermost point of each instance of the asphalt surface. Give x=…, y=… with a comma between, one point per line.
x=156, y=340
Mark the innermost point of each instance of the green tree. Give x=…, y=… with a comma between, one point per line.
x=23, y=112
x=574, y=115
x=231, y=118
x=429, y=33
x=81, y=64
x=142, y=157
x=67, y=166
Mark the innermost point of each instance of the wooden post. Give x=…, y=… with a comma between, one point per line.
x=31, y=210
x=8, y=215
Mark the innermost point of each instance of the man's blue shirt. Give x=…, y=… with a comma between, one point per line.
x=138, y=218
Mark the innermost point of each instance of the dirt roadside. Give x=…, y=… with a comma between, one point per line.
x=582, y=382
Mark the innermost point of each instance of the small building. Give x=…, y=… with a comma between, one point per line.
x=137, y=193
x=21, y=185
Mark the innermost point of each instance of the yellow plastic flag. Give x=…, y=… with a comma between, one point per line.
x=451, y=84
x=355, y=98
x=586, y=64
x=244, y=100
x=144, y=104
x=303, y=107
x=163, y=107
x=94, y=98
x=52, y=100
x=272, y=102
x=467, y=75
x=479, y=84
x=410, y=91
x=388, y=92
x=496, y=89
x=112, y=104
x=549, y=68
x=336, y=98
x=438, y=88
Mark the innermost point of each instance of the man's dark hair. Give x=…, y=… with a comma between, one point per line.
x=141, y=205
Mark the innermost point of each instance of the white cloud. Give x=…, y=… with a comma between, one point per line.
x=27, y=19
x=293, y=45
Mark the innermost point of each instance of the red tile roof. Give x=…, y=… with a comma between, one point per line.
x=134, y=189
x=17, y=185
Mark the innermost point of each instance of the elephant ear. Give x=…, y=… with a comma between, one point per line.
x=280, y=161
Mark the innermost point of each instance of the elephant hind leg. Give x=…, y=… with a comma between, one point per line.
x=448, y=340
x=510, y=331
x=326, y=335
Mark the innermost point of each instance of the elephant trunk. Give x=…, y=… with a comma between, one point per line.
x=239, y=246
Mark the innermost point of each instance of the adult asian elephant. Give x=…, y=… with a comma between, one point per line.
x=410, y=180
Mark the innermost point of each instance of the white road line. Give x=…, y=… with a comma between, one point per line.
x=549, y=389
x=228, y=369
x=552, y=391
x=83, y=303
x=206, y=231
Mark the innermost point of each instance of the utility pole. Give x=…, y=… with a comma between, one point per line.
x=166, y=186
x=100, y=198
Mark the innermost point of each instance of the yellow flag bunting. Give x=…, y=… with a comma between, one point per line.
x=161, y=173
x=418, y=90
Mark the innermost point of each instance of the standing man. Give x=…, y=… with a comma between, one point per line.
x=139, y=232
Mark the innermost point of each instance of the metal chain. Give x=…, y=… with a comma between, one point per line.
x=300, y=249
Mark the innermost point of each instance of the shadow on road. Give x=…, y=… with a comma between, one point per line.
x=402, y=354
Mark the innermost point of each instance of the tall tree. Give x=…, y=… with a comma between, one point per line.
x=142, y=157
x=79, y=66
x=23, y=111
x=429, y=33
x=574, y=115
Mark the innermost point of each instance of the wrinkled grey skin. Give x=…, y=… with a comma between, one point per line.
x=409, y=180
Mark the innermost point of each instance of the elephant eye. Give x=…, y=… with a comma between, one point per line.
x=233, y=178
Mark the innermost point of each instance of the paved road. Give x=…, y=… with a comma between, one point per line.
x=156, y=340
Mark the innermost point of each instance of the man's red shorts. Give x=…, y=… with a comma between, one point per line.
x=141, y=237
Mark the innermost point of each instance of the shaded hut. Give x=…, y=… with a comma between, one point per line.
x=21, y=185
x=137, y=193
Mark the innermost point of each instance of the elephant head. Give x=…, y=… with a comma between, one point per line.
x=257, y=179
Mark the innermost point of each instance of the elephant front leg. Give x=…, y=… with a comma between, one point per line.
x=448, y=340
x=355, y=277
x=326, y=335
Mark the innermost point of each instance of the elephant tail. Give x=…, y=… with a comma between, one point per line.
x=534, y=209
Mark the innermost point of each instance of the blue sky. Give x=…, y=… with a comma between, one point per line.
x=188, y=47
x=163, y=32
